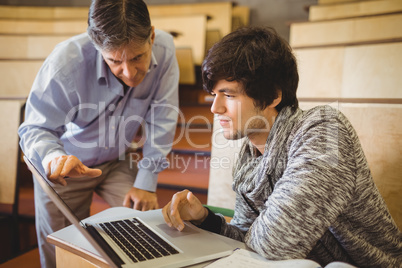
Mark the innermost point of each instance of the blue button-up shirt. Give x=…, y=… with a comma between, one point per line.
x=78, y=107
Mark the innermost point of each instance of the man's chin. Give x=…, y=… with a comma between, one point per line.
x=229, y=135
x=131, y=84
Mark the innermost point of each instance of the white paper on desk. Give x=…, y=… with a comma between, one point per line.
x=243, y=258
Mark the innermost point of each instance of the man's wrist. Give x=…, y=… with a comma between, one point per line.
x=212, y=222
x=148, y=191
x=200, y=221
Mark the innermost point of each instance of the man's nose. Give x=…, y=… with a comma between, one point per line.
x=217, y=106
x=129, y=70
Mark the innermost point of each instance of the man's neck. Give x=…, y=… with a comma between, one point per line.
x=259, y=139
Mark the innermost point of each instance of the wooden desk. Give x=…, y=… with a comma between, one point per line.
x=73, y=250
x=11, y=117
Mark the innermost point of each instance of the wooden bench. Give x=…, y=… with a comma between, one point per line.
x=326, y=2
x=28, y=47
x=366, y=71
x=354, y=9
x=189, y=32
x=10, y=119
x=43, y=13
x=186, y=63
x=17, y=77
x=240, y=16
x=42, y=27
x=10, y=113
x=347, y=31
x=219, y=13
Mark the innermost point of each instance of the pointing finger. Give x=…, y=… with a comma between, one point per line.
x=69, y=164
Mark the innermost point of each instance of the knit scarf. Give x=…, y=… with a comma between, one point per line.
x=252, y=170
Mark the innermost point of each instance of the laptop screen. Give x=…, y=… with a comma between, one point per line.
x=39, y=169
x=38, y=173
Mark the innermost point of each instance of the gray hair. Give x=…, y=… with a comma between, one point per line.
x=115, y=23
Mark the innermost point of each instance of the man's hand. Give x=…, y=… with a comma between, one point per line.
x=65, y=166
x=141, y=200
x=184, y=206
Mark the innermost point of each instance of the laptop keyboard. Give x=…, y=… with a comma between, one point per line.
x=137, y=240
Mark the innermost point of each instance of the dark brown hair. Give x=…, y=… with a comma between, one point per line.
x=258, y=58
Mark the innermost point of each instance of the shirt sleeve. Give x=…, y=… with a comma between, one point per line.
x=316, y=186
x=240, y=223
x=211, y=223
x=160, y=126
x=46, y=114
x=238, y=226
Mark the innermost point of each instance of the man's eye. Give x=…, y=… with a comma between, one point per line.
x=229, y=96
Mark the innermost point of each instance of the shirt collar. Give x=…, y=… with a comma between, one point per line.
x=153, y=63
x=106, y=77
x=101, y=69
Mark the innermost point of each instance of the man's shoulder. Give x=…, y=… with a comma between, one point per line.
x=73, y=57
x=324, y=115
x=321, y=112
x=300, y=119
x=75, y=43
x=72, y=52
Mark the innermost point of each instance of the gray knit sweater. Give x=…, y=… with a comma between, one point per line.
x=311, y=195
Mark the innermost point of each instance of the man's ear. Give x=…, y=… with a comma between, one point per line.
x=276, y=101
x=152, y=35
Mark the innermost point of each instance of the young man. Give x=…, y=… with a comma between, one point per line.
x=303, y=186
x=86, y=105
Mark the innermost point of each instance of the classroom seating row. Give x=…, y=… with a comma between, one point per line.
x=28, y=34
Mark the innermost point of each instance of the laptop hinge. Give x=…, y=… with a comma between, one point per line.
x=104, y=245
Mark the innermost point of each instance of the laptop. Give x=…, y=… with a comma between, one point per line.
x=143, y=239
